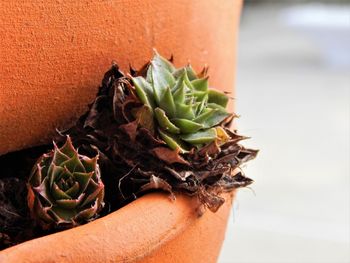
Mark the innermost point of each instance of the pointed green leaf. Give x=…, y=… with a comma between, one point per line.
x=63, y=215
x=36, y=175
x=187, y=126
x=73, y=191
x=167, y=103
x=149, y=75
x=66, y=174
x=90, y=164
x=74, y=164
x=144, y=91
x=43, y=213
x=164, y=121
x=179, y=93
x=200, y=95
x=83, y=180
x=88, y=213
x=191, y=73
x=93, y=194
x=187, y=81
x=190, y=99
x=215, y=118
x=68, y=203
x=54, y=173
x=162, y=62
x=179, y=82
x=206, y=113
x=181, y=76
x=200, y=137
x=202, y=105
x=195, y=107
x=58, y=156
x=200, y=84
x=215, y=106
x=68, y=148
x=184, y=111
x=178, y=73
x=44, y=190
x=161, y=79
x=215, y=96
x=173, y=141
x=57, y=193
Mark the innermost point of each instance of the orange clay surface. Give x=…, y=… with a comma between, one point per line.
x=150, y=229
x=53, y=57
x=54, y=54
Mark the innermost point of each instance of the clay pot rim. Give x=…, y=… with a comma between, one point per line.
x=137, y=227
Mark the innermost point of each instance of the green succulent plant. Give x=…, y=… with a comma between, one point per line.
x=65, y=188
x=188, y=112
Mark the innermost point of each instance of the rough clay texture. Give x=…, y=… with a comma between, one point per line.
x=54, y=53
x=135, y=233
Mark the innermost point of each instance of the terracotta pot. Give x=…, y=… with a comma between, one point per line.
x=150, y=229
x=53, y=56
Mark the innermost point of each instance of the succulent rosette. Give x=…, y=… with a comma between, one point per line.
x=65, y=188
x=162, y=127
x=188, y=113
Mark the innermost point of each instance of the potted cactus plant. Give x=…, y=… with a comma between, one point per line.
x=151, y=228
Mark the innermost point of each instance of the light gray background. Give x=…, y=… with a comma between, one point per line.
x=293, y=84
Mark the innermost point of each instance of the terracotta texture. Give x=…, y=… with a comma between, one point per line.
x=53, y=56
x=54, y=53
x=150, y=229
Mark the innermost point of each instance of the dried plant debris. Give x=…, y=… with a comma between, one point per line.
x=140, y=153
x=13, y=219
x=158, y=128
x=15, y=223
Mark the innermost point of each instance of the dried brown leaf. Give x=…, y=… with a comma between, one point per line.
x=182, y=176
x=144, y=117
x=130, y=129
x=211, y=200
x=169, y=156
x=211, y=150
x=157, y=183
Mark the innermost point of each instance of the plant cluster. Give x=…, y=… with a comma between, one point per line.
x=157, y=128
x=188, y=113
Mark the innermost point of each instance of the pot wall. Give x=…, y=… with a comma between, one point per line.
x=54, y=54
x=199, y=242
x=151, y=229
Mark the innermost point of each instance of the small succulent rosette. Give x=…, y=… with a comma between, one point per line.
x=188, y=113
x=65, y=188
x=162, y=127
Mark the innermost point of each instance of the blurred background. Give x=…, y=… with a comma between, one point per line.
x=293, y=82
